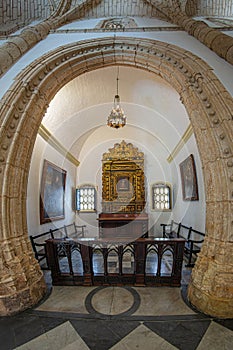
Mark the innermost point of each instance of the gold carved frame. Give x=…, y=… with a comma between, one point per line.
x=123, y=189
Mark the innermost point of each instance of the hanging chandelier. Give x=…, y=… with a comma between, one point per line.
x=116, y=118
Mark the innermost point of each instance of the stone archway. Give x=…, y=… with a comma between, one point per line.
x=209, y=107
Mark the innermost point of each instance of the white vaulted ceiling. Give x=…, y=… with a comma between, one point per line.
x=84, y=104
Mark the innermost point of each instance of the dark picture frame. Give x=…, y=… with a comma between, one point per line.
x=189, y=179
x=52, y=195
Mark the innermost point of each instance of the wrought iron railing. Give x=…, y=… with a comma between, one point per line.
x=146, y=261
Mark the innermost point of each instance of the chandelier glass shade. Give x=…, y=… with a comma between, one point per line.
x=116, y=118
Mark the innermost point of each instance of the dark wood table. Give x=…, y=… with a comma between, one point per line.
x=117, y=225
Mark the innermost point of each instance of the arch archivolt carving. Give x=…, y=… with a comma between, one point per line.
x=208, y=103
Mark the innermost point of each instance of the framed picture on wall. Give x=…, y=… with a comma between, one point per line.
x=52, y=195
x=123, y=183
x=189, y=179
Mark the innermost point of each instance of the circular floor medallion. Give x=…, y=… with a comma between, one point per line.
x=112, y=301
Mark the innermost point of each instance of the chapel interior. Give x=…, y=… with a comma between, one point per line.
x=116, y=174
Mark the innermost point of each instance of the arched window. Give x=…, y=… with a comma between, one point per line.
x=86, y=198
x=161, y=196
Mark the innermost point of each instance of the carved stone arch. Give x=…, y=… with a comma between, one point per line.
x=209, y=106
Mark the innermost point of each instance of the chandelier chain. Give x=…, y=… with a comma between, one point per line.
x=118, y=80
x=116, y=118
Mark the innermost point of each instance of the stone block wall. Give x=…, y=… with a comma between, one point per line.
x=218, y=8
x=215, y=8
x=108, y=8
x=14, y=14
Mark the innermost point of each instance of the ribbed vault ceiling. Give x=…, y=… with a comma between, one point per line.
x=15, y=14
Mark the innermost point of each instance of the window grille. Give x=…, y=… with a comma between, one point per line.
x=86, y=198
x=161, y=196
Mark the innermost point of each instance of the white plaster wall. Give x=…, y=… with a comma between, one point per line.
x=92, y=23
x=229, y=33
x=156, y=168
x=155, y=117
x=43, y=151
x=190, y=213
x=84, y=103
x=153, y=125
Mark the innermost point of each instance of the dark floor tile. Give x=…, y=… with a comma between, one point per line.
x=7, y=337
x=182, y=334
x=27, y=328
x=226, y=323
x=6, y=324
x=49, y=323
x=102, y=335
x=19, y=329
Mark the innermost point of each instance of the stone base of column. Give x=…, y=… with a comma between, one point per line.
x=209, y=304
x=23, y=299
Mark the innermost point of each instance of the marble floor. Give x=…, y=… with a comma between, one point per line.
x=116, y=318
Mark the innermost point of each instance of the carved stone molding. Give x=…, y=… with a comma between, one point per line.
x=206, y=100
x=171, y=10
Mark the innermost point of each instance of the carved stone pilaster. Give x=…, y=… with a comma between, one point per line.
x=22, y=282
x=211, y=287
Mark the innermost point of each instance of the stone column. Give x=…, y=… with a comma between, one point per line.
x=211, y=287
x=21, y=283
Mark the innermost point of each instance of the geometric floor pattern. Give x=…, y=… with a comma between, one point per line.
x=105, y=329
x=84, y=334
x=115, y=318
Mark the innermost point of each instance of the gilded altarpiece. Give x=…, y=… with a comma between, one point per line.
x=123, y=189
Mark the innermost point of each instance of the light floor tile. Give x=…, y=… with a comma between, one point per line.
x=77, y=345
x=61, y=337
x=217, y=337
x=67, y=299
x=159, y=301
x=143, y=338
x=112, y=300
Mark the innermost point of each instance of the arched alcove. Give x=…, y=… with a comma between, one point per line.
x=209, y=107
